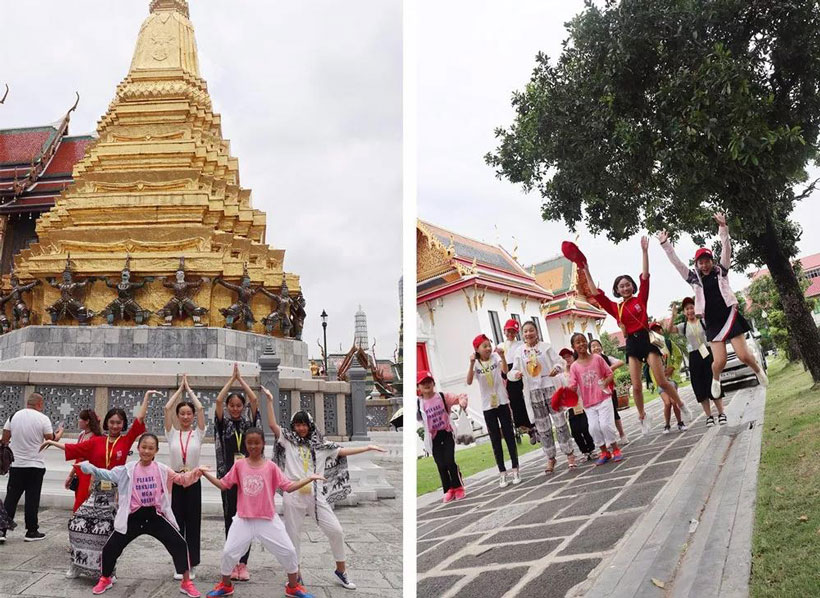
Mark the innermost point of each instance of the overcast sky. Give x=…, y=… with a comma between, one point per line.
x=310, y=98
x=473, y=54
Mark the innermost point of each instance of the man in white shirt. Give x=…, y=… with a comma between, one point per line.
x=26, y=430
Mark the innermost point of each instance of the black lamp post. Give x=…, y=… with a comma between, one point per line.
x=324, y=329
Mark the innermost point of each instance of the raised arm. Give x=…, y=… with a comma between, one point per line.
x=274, y=427
x=645, y=251
x=470, y=372
x=347, y=452
x=169, y=408
x=593, y=288
x=252, y=398
x=669, y=249
x=220, y=398
x=294, y=486
x=144, y=407
x=200, y=411
x=725, y=242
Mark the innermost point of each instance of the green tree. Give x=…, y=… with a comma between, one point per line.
x=660, y=112
x=609, y=345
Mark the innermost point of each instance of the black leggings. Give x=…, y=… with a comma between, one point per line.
x=145, y=521
x=499, y=421
x=187, y=506
x=444, y=454
x=580, y=431
x=229, y=510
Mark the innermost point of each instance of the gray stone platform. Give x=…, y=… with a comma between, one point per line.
x=143, y=349
x=568, y=534
x=373, y=540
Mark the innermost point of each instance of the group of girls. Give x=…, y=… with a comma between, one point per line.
x=165, y=502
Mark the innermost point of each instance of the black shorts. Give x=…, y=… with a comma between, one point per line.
x=639, y=346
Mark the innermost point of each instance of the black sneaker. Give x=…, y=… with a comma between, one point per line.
x=722, y=419
x=2, y=536
x=710, y=421
x=34, y=536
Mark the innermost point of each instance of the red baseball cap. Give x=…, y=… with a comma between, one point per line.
x=703, y=251
x=565, y=351
x=480, y=339
x=424, y=375
x=656, y=326
x=687, y=301
x=512, y=324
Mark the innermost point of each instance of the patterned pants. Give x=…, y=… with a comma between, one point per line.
x=543, y=412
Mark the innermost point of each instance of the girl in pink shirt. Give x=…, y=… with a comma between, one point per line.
x=257, y=480
x=144, y=508
x=592, y=378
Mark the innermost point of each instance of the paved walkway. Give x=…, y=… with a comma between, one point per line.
x=558, y=535
x=374, y=551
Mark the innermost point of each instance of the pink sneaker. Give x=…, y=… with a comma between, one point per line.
x=459, y=493
x=235, y=573
x=244, y=574
x=188, y=588
x=448, y=496
x=102, y=585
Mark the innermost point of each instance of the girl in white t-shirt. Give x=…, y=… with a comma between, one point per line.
x=538, y=364
x=488, y=366
x=184, y=447
x=302, y=451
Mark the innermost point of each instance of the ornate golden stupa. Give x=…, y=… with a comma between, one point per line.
x=158, y=185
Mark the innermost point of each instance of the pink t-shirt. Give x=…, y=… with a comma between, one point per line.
x=146, y=487
x=257, y=486
x=438, y=417
x=586, y=377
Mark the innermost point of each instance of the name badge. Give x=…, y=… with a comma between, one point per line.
x=704, y=351
x=106, y=485
x=238, y=456
x=185, y=469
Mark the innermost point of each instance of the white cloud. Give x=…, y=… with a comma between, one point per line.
x=310, y=98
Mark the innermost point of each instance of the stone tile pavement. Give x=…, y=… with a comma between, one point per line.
x=373, y=533
x=547, y=535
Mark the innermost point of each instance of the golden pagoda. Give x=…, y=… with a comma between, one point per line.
x=159, y=184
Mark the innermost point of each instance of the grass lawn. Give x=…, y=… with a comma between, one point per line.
x=470, y=461
x=786, y=541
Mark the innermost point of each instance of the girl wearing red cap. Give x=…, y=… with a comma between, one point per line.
x=700, y=361
x=578, y=423
x=439, y=441
x=538, y=365
x=488, y=366
x=592, y=378
x=515, y=388
x=631, y=315
x=716, y=302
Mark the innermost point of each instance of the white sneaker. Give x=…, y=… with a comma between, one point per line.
x=623, y=441
x=762, y=378
x=72, y=572
x=502, y=480
x=646, y=424
x=681, y=427
x=715, y=388
x=344, y=580
x=516, y=478
x=192, y=576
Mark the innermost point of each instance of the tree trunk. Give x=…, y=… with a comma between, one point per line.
x=799, y=320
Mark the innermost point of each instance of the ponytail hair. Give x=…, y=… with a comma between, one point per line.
x=93, y=420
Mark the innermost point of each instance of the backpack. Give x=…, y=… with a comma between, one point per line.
x=6, y=458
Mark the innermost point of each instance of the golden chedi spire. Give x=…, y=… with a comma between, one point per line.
x=159, y=184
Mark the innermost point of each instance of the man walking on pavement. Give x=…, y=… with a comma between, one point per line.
x=26, y=430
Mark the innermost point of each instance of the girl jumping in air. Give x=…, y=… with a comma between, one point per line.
x=144, y=508
x=716, y=302
x=302, y=451
x=631, y=315
x=257, y=480
x=592, y=378
x=538, y=365
x=488, y=366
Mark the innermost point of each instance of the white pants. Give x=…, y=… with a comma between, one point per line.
x=601, y=418
x=272, y=534
x=298, y=506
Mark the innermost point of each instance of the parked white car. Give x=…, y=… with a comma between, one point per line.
x=736, y=371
